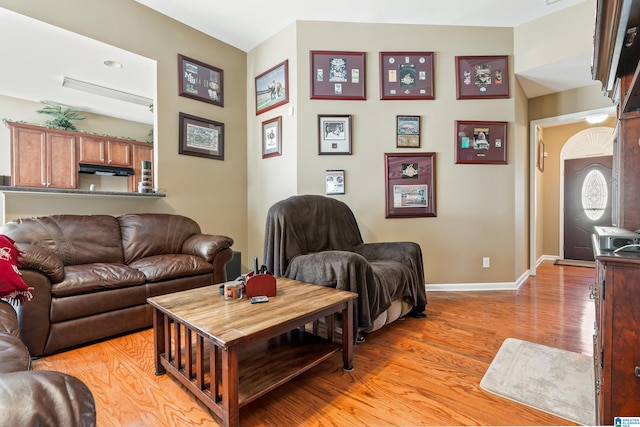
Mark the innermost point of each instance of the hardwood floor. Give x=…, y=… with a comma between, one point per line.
x=412, y=372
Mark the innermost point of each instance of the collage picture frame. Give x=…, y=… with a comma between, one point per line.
x=410, y=180
x=338, y=75
x=200, y=81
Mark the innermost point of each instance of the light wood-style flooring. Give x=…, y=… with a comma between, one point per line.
x=414, y=372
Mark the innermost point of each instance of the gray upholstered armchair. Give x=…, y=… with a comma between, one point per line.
x=316, y=239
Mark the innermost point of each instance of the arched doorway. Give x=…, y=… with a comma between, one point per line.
x=585, y=190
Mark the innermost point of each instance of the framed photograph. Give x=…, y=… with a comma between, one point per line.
x=406, y=75
x=481, y=142
x=338, y=75
x=334, y=134
x=201, y=137
x=482, y=77
x=408, y=131
x=335, y=181
x=272, y=88
x=272, y=137
x=411, y=184
x=200, y=81
x=540, y=162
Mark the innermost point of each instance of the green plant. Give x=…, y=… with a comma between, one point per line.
x=61, y=116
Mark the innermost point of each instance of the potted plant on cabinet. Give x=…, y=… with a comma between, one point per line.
x=61, y=116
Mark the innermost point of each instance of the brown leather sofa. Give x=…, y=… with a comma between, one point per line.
x=92, y=274
x=37, y=398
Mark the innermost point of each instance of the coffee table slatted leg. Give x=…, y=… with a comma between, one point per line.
x=159, y=340
x=230, y=387
x=177, y=348
x=167, y=338
x=188, y=353
x=347, y=336
x=200, y=362
x=214, y=373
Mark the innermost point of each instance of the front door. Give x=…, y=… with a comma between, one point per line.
x=587, y=203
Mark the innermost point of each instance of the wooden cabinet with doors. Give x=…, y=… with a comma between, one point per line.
x=616, y=63
x=617, y=335
x=104, y=151
x=42, y=157
x=141, y=151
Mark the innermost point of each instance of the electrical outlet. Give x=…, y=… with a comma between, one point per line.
x=486, y=262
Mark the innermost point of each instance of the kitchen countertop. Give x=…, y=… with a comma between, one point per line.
x=64, y=191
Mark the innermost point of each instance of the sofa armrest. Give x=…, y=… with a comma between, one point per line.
x=45, y=398
x=41, y=259
x=33, y=316
x=206, y=246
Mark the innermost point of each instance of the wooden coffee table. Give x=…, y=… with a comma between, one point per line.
x=229, y=353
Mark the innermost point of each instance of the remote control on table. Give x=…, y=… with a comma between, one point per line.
x=259, y=299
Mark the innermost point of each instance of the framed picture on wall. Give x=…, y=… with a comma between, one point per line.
x=408, y=131
x=410, y=180
x=272, y=137
x=334, y=134
x=481, y=142
x=406, y=75
x=272, y=88
x=540, y=162
x=482, y=77
x=201, y=137
x=337, y=75
x=200, y=81
x=334, y=181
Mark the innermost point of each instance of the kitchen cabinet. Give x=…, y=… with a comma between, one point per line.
x=42, y=157
x=141, y=152
x=98, y=150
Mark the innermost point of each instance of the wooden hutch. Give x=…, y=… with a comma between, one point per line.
x=617, y=289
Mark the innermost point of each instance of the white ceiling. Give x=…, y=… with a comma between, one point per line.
x=38, y=73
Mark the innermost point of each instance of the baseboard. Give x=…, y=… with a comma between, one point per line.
x=466, y=287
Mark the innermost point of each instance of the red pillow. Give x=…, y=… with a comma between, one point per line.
x=12, y=287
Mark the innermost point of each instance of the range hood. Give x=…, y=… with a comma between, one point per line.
x=104, y=170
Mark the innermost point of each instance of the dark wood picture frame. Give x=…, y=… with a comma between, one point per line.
x=334, y=133
x=481, y=142
x=334, y=181
x=410, y=180
x=201, y=137
x=338, y=75
x=197, y=80
x=482, y=77
x=272, y=88
x=408, y=131
x=406, y=75
x=272, y=137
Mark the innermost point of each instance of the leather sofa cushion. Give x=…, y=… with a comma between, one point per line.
x=164, y=267
x=76, y=239
x=145, y=235
x=14, y=355
x=8, y=320
x=82, y=279
x=88, y=305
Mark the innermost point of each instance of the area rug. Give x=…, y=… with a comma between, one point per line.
x=556, y=381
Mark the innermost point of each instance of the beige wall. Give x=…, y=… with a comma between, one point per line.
x=209, y=191
x=476, y=204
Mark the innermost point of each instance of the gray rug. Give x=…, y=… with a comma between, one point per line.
x=556, y=381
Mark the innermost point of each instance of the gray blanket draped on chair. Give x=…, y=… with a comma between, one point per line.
x=316, y=239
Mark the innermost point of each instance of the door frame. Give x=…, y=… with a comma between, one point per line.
x=569, y=152
x=534, y=127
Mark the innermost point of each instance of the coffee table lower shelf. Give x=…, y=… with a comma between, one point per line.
x=266, y=366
